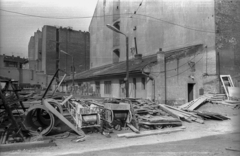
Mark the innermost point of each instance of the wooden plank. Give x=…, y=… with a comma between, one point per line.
x=186, y=105
x=198, y=103
x=151, y=132
x=61, y=117
x=133, y=128
x=232, y=102
x=165, y=109
x=232, y=149
x=182, y=111
x=179, y=123
x=227, y=104
x=159, y=119
x=26, y=145
x=198, y=120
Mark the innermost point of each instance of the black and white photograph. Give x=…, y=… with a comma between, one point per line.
x=120, y=77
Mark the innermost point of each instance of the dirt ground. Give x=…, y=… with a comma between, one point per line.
x=215, y=145
x=210, y=138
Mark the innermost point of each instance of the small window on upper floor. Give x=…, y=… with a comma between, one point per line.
x=117, y=25
x=116, y=55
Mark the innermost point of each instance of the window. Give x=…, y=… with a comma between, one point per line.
x=116, y=55
x=97, y=83
x=10, y=64
x=107, y=87
x=143, y=83
x=117, y=25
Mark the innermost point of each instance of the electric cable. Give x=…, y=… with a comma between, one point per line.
x=147, y=16
x=64, y=18
x=137, y=9
x=186, y=69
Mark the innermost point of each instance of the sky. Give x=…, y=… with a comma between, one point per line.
x=16, y=29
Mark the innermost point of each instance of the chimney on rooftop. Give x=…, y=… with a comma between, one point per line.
x=138, y=58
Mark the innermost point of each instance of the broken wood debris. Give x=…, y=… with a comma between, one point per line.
x=115, y=113
x=152, y=132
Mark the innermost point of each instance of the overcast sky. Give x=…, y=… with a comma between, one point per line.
x=16, y=30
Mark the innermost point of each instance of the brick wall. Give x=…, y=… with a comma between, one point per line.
x=228, y=38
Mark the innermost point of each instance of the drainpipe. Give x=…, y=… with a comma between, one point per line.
x=20, y=77
x=151, y=78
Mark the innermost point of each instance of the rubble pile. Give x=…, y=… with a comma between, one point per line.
x=28, y=116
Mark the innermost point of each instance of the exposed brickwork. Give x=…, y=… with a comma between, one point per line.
x=228, y=37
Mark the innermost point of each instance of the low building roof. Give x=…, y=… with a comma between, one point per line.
x=15, y=59
x=119, y=68
x=135, y=66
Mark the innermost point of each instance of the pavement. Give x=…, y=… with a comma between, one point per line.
x=216, y=145
x=210, y=138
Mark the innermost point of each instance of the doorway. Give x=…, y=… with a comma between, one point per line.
x=190, y=91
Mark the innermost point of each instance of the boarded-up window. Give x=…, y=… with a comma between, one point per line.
x=107, y=87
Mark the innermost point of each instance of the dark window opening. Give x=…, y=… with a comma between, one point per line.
x=117, y=25
x=10, y=64
x=107, y=87
x=116, y=55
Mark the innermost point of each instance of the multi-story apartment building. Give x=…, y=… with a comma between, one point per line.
x=45, y=46
x=185, y=46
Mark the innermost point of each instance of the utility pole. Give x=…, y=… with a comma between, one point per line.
x=57, y=53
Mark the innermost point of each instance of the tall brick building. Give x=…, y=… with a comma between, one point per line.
x=44, y=44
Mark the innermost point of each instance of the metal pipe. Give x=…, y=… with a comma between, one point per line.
x=127, y=69
x=165, y=80
x=39, y=120
x=59, y=84
x=57, y=51
x=135, y=41
x=151, y=78
x=73, y=70
x=50, y=84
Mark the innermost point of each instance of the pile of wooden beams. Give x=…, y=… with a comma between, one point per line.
x=187, y=112
x=182, y=115
x=151, y=116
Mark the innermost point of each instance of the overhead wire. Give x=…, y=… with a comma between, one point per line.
x=141, y=15
x=63, y=18
x=140, y=4
x=186, y=69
